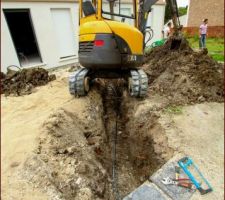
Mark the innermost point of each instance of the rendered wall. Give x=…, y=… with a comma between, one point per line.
x=44, y=29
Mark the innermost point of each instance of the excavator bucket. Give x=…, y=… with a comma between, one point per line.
x=177, y=37
x=175, y=44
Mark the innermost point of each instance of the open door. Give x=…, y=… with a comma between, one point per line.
x=23, y=36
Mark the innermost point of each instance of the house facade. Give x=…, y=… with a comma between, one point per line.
x=44, y=33
x=39, y=33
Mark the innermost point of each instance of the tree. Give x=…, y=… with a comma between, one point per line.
x=182, y=10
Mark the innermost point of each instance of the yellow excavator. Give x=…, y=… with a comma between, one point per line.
x=111, y=43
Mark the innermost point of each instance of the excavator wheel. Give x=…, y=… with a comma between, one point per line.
x=138, y=83
x=79, y=82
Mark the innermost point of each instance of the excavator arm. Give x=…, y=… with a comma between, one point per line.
x=175, y=16
x=145, y=8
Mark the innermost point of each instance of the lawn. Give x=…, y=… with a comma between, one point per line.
x=215, y=47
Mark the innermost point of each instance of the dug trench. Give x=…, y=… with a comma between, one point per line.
x=103, y=153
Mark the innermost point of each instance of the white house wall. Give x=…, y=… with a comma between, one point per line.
x=44, y=30
x=156, y=21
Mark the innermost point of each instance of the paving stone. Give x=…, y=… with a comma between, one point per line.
x=146, y=192
x=173, y=191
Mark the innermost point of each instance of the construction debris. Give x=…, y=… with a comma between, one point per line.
x=22, y=81
x=183, y=76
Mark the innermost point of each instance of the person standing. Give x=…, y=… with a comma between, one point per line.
x=203, y=33
x=167, y=30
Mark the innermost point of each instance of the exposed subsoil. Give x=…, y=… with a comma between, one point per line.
x=22, y=81
x=182, y=76
x=75, y=157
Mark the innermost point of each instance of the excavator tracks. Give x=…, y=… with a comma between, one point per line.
x=79, y=82
x=137, y=82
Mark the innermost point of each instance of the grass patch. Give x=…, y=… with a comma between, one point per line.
x=218, y=57
x=215, y=46
x=173, y=110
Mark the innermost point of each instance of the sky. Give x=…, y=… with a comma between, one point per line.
x=182, y=3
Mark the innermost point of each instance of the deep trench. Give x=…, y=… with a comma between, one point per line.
x=129, y=158
x=105, y=174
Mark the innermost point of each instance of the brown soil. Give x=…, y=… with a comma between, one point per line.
x=75, y=155
x=183, y=76
x=69, y=142
x=23, y=81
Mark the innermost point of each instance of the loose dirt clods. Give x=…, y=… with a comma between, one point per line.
x=183, y=76
x=22, y=81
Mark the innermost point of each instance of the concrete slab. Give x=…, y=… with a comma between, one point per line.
x=146, y=192
x=173, y=191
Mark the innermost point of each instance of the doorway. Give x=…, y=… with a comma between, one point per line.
x=23, y=36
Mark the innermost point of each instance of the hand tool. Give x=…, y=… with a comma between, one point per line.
x=187, y=164
x=182, y=183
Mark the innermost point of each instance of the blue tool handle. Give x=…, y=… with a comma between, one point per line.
x=210, y=187
x=192, y=178
x=184, y=163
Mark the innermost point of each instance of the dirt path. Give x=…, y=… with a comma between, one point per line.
x=22, y=118
x=54, y=145
x=199, y=133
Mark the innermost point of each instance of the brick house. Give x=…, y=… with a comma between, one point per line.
x=210, y=9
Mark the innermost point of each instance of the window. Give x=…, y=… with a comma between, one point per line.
x=119, y=10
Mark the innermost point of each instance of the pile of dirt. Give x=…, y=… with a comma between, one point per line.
x=22, y=81
x=183, y=76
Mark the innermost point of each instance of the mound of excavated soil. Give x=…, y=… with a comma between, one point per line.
x=184, y=76
x=23, y=81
